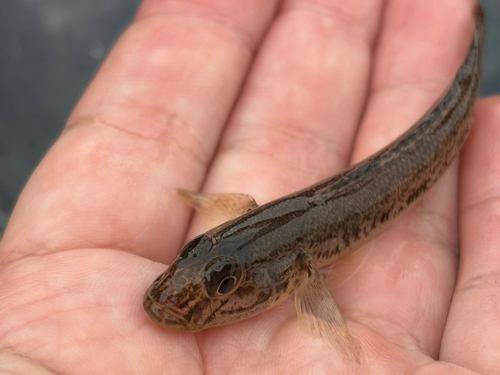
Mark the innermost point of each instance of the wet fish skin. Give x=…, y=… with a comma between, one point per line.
x=263, y=256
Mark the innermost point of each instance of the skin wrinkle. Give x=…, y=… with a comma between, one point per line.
x=285, y=135
x=371, y=320
x=330, y=274
x=487, y=199
x=253, y=146
x=47, y=250
x=10, y=361
x=439, y=238
x=123, y=245
x=194, y=153
x=63, y=247
x=420, y=89
x=53, y=314
x=9, y=256
x=481, y=281
x=22, y=327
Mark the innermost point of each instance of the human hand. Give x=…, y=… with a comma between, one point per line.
x=81, y=246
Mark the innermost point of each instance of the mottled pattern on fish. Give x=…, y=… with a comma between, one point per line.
x=258, y=259
x=336, y=214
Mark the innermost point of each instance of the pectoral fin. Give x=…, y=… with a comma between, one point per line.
x=216, y=209
x=320, y=314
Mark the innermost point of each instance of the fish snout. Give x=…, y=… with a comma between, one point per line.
x=167, y=314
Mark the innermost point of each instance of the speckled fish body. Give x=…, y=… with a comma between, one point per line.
x=258, y=259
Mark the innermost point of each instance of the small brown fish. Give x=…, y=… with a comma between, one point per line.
x=263, y=254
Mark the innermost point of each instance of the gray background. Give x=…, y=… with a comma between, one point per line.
x=50, y=49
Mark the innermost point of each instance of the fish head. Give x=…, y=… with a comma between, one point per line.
x=203, y=288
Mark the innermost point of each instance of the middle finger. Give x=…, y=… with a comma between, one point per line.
x=305, y=92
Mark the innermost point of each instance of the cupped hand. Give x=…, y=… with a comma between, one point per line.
x=259, y=97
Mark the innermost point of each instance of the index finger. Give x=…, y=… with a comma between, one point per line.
x=148, y=122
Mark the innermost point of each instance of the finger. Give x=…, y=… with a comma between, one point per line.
x=295, y=122
x=148, y=123
x=472, y=334
x=302, y=102
x=404, y=285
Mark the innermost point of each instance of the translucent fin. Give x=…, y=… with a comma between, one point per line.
x=320, y=315
x=216, y=209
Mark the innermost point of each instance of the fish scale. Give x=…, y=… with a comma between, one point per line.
x=254, y=261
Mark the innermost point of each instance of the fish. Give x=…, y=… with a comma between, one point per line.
x=261, y=255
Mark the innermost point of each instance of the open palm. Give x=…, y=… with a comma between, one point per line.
x=259, y=97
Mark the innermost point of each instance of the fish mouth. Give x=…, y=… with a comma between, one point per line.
x=166, y=315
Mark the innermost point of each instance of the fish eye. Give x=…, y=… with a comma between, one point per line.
x=222, y=276
x=226, y=285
